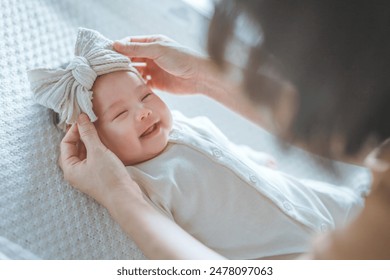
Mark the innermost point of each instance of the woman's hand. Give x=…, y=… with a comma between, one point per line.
x=170, y=66
x=176, y=69
x=91, y=168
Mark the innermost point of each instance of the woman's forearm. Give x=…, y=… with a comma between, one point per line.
x=157, y=236
x=226, y=89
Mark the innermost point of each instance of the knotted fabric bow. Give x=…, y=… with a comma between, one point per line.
x=68, y=91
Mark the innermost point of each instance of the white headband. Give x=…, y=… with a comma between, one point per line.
x=67, y=90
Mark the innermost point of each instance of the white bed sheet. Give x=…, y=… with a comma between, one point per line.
x=38, y=210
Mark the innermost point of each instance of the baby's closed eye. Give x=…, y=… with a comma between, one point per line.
x=121, y=114
x=149, y=94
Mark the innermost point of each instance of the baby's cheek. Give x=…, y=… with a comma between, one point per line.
x=111, y=141
x=110, y=136
x=122, y=150
x=128, y=147
x=120, y=144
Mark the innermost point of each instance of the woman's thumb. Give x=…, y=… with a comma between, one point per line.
x=136, y=49
x=87, y=131
x=119, y=46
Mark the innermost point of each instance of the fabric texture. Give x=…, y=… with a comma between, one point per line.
x=68, y=91
x=224, y=195
x=12, y=251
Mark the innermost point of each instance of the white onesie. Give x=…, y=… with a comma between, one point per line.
x=216, y=191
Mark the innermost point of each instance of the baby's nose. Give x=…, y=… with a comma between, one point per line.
x=144, y=114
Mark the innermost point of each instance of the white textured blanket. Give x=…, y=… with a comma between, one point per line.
x=38, y=210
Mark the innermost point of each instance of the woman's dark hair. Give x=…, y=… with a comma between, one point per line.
x=335, y=53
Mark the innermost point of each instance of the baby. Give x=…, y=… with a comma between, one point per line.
x=219, y=192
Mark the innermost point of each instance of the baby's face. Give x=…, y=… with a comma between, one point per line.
x=133, y=122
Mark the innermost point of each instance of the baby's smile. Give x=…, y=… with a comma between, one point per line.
x=151, y=131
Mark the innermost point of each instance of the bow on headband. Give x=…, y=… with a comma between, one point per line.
x=67, y=90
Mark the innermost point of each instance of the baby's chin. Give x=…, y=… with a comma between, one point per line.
x=146, y=157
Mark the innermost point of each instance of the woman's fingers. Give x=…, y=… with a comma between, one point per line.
x=135, y=49
x=76, y=141
x=69, y=148
x=80, y=138
x=140, y=64
x=146, y=38
x=139, y=59
x=82, y=151
x=88, y=133
x=141, y=46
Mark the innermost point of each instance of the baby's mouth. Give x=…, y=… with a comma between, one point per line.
x=150, y=130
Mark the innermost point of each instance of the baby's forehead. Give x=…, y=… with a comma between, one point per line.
x=115, y=87
x=117, y=76
x=119, y=80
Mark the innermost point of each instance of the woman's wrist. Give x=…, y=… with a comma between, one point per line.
x=226, y=87
x=117, y=197
x=210, y=81
x=157, y=236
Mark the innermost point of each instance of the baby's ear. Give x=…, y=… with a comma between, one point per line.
x=55, y=119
